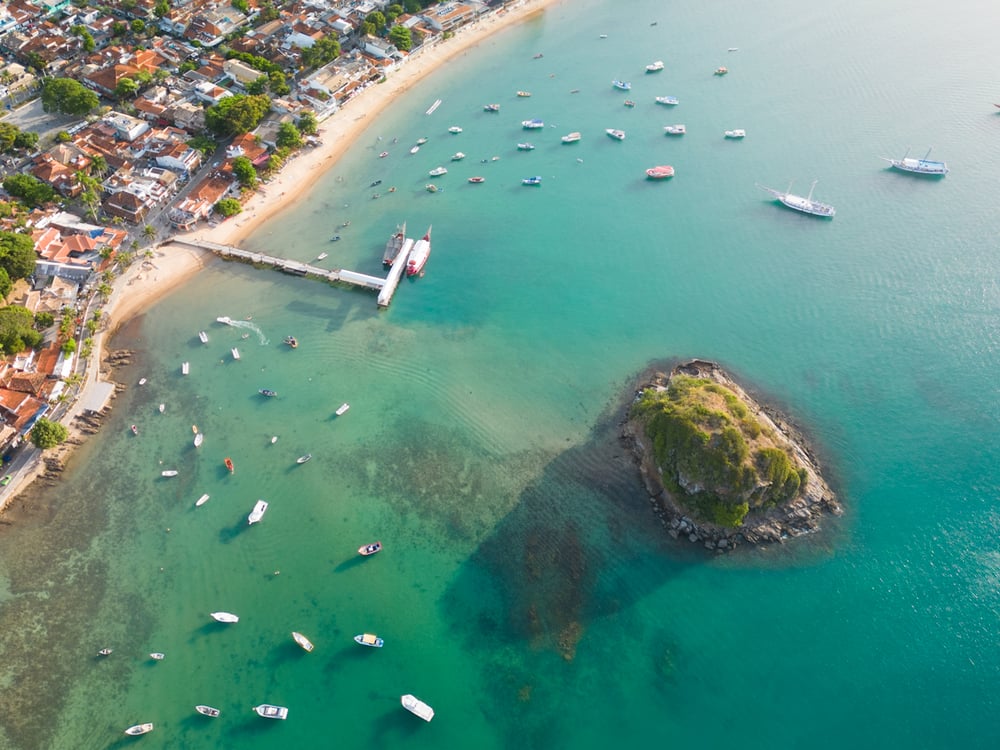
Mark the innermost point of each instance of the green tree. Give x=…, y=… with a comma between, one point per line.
x=5, y=284
x=258, y=85
x=138, y=26
x=64, y=96
x=278, y=83
x=237, y=114
x=288, y=136
x=149, y=232
x=98, y=165
x=104, y=289
x=8, y=136
x=376, y=19
x=29, y=189
x=185, y=66
x=44, y=320
x=228, y=207
x=17, y=330
x=161, y=8
x=400, y=37
x=242, y=6
x=268, y=13
x=244, y=170
x=69, y=346
x=47, y=434
x=392, y=13
x=17, y=255
x=26, y=140
x=203, y=143
x=412, y=6
x=368, y=28
x=119, y=29
x=307, y=124
x=323, y=51
x=63, y=137
x=127, y=88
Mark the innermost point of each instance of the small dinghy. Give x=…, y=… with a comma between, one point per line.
x=139, y=729
x=135, y=430
x=342, y=408
x=236, y=353
x=201, y=500
x=302, y=641
x=274, y=439
x=104, y=652
x=207, y=711
x=169, y=473
x=370, y=549
x=303, y=459
x=156, y=656
x=199, y=439
x=224, y=617
x=369, y=639
x=203, y=337
x=162, y=408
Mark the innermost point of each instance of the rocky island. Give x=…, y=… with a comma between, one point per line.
x=720, y=469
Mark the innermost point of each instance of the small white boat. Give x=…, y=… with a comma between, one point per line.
x=104, y=652
x=302, y=641
x=135, y=429
x=491, y=107
x=142, y=381
x=274, y=439
x=369, y=549
x=438, y=171
x=532, y=181
x=454, y=130
x=236, y=353
x=303, y=459
x=224, y=617
x=618, y=135
x=660, y=173
x=721, y=71
x=139, y=729
x=156, y=656
x=571, y=137
x=674, y=129
x=342, y=408
x=369, y=639
x=203, y=337
x=735, y=133
x=258, y=512
x=524, y=94
x=668, y=100
x=162, y=408
x=457, y=156
x=525, y=147
x=533, y=124
x=622, y=85
x=199, y=439
x=207, y=711
x=269, y=711
x=654, y=66
x=169, y=473
x=417, y=707
x=185, y=368
x=225, y=320
x=321, y=256
x=201, y=500
x=414, y=149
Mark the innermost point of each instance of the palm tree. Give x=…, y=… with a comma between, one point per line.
x=98, y=165
x=149, y=231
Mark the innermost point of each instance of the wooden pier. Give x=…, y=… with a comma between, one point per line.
x=385, y=287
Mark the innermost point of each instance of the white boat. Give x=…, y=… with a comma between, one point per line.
x=524, y=94
x=419, y=254
x=422, y=140
x=654, y=66
x=804, y=205
x=660, y=172
x=534, y=124
x=622, y=85
x=342, y=408
x=321, y=256
x=454, y=130
x=919, y=166
x=414, y=149
x=438, y=171
x=161, y=408
x=525, y=147
x=225, y=320
x=201, y=500
x=417, y=707
x=491, y=107
x=434, y=106
x=269, y=711
x=139, y=729
x=532, y=181
x=736, y=133
x=169, y=473
x=185, y=368
x=258, y=512
x=199, y=439
x=721, y=71
x=157, y=656
x=618, y=135
x=674, y=129
x=304, y=459
x=207, y=711
x=668, y=100
x=369, y=639
x=203, y=336
x=571, y=137
x=104, y=652
x=302, y=641
x=142, y=381
x=274, y=439
x=224, y=617
x=457, y=156
x=236, y=353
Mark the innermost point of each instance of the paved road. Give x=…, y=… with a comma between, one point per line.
x=31, y=117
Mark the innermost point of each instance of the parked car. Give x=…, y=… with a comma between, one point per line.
x=6, y=480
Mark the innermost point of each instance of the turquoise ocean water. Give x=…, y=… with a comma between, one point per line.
x=525, y=590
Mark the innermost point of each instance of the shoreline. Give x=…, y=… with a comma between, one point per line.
x=146, y=282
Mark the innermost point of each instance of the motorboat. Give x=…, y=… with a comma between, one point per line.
x=203, y=337
x=430, y=187
x=227, y=617
x=194, y=429
x=618, y=135
x=457, y=156
x=660, y=173
x=169, y=473
x=302, y=641
x=258, y=512
x=322, y=256
x=454, y=130
x=236, y=353
x=524, y=94
x=271, y=712
x=805, y=204
x=422, y=140
x=304, y=459
x=414, y=149
x=369, y=639
x=417, y=707
x=919, y=166
x=438, y=171
x=199, y=439
x=375, y=183
x=736, y=133
x=534, y=181
x=342, y=409
x=135, y=430
x=383, y=155
x=477, y=179
x=721, y=71
x=157, y=656
x=201, y=500
x=629, y=103
x=533, y=124
x=267, y=392
x=142, y=381
x=525, y=147
x=274, y=439
x=419, y=254
x=229, y=464
x=185, y=368
x=161, y=408
x=207, y=711
x=335, y=238
x=622, y=85
x=105, y=652
x=225, y=320
x=370, y=549
x=654, y=66
x=668, y=100
x=674, y=129
x=571, y=137
x=491, y=108
x=139, y=729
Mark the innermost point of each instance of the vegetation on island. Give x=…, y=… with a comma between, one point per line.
x=47, y=434
x=717, y=460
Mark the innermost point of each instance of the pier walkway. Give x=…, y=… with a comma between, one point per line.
x=386, y=287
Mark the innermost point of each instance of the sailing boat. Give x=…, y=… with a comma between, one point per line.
x=919, y=166
x=806, y=205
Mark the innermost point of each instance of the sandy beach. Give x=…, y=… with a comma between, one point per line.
x=172, y=264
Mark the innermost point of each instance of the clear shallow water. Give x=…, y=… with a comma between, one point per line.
x=524, y=591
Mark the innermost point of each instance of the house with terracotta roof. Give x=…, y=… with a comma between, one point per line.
x=201, y=201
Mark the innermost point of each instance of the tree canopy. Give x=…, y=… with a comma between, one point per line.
x=400, y=37
x=228, y=207
x=288, y=136
x=237, y=114
x=29, y=189
x=17, y=255
x=48, y=434
x=244, y=170
x=65, y=96
x=322, y=52
x=17, y=331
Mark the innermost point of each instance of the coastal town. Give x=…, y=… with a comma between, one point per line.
x=130, y=122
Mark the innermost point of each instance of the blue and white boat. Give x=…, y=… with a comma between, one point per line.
x=919, y=166
x=533, y=124
x=532, y=181
x=622, y=85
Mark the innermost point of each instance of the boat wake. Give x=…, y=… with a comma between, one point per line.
x=251, y=326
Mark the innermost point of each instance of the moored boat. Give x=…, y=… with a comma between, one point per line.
x=235, y=353
x=491, y=107
x=267, y=392
x=621, y=85
x=185, y=368
x=629, y=103
x=523, y=94
x=654, y=66
x=668, y=100
x=721, y=71
x=457, y=156
x=802, y=204
x=454, y=130
x=292, y=342
x=369, y=639
x=201, y=500
x=105, y=652
x=394, y=245
x=419, y=254
x=430, y=187
x=414, y=149
x=525, y=146
x=660, y=172
x=169, y=473
x=438, y=171
x=919, y=166
x=342, y=408
x=269, y=711
x=157, y=656
x=618, y=135
x=475, y=180
x=322, y=256
x=302, y=641
x=534, y=181
x=370, y=549
x=229, y=464
x=259, y=508
x=139, y=729
x=203, y=337
x=161, y=408
x=135, y=430
x=674, y=129
x=533, y=124
x=227, y=617
x=417, y=707
x=199, y=439
x=571, y=137
x=383, y=154
x=207, y=711
x=142, y=381
x=735, y=133
x=422, y=140
x=304, y=459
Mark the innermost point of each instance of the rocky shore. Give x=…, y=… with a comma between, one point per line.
x=800, y=516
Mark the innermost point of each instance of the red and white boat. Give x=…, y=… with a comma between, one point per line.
x=419, y=254
x=229, y=465
x=660, y=173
